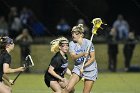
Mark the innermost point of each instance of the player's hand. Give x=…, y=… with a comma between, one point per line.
x=86, y=54
x=11, y=82
x=21, y=68
x=83, y=79
x=63, y=79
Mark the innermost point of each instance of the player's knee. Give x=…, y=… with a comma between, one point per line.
x=72, y=91
x=68, y=89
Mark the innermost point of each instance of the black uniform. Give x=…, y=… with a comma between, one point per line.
x=60, y=66
x=5, y=57
x=25, y=50
x=128, y=51
x=112, y=53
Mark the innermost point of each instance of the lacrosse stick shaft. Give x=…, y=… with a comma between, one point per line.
x=85, y=59
x=32, y=64
x=17, y=77
x=96, y=24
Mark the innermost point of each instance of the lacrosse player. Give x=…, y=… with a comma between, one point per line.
x=77, y=49
x=6, y=45
x=54, y=76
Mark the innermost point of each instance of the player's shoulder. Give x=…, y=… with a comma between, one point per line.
x=71, y=43
x=86, y=40
x=56, y=56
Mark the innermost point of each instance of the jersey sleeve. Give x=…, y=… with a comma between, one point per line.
x=91, y=47
x=71, y=47
x=7, y=59
x=55, y=62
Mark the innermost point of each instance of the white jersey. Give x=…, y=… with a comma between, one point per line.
x=76, y=48
x=90, y=72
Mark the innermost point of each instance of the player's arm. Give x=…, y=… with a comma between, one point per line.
x=92, y=59
x=53, y=73
x=19, y=37
x=7, y=69
x=75, y=56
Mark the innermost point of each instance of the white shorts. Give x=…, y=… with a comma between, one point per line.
x=90, y=74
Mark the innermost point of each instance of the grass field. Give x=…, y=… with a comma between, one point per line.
x=41, y=55
x=106, y=83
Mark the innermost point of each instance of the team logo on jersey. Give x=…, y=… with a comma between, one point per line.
x=64, y=65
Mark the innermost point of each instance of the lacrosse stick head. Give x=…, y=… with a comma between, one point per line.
x=28, y=62
x=97, y=22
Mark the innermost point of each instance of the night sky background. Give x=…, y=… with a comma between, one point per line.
x=49, y=12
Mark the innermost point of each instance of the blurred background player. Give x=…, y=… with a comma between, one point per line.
x=122, y=28
x=128, y=50
x=63, y=28
x=24, y=39
x=112, y=50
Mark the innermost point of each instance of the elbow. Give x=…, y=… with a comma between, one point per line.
x=73, y=58
x=50, y=71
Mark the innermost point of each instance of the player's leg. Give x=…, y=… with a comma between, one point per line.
x=72, y=82
x=4, y=89
x=90, y=78
x=87, y=86
x=64, y=84
x=54, y=85
x=9, y=88
x=109, y=61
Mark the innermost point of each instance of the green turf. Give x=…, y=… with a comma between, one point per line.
x=41, y=56
x=106, y=83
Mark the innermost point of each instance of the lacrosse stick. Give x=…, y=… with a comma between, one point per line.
x=96, y=25
x=28, y=63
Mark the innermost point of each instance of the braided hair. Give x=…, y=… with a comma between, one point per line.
x=79, y=28
x=56, y=43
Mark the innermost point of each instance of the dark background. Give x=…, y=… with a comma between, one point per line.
x=49, y=12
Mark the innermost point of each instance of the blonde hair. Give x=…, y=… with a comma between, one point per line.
x=79, y=28
x=56, y=43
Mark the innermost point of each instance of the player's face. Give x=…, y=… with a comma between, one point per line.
x=64, y=47
x=11, y=46
x=76, y=35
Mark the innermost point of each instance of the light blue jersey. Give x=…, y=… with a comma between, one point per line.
x=76, y=48
x=90, y=72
